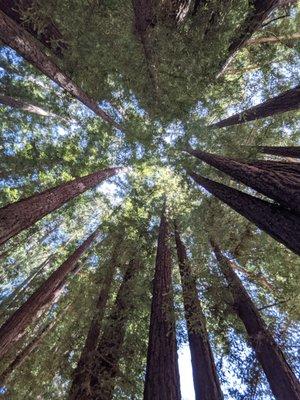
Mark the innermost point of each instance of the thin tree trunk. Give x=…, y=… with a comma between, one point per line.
x=272, y=39
x=278, y=222
x=14, y=327
x=206, y=382
x=162, y=374
x=284, y=102
x=283, y=151
x=282, y=187
x=282, y=380
x=25, y=106
x=18, y=216
x=109, y=350
x=23, y=43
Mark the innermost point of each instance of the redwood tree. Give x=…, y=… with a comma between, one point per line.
x=284, y=151
x=206, y=382
x=162, y=374
x=16, y=217
x=281, y=224
x=282, y=380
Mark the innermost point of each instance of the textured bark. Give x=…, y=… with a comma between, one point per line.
x=109, y=349
x=23, y=43
x=284, y=151
x=273, y=39
x=80, y=388
x=286, y=101
x=18, y=216
x=162, y=374
x=282, y=187
x=282, y=380
x=206, y=382
x=12, y=330
x=259, y=11
x=25, y=106
x=277, y=166
x=281, y=224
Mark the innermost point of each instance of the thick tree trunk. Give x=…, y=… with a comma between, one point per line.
x=23, y=43
x=282, y=380
x=12, y=330
x=273, y=39
x=80, y=388
x=283, y=151
x=25, y=106
x=206, y=382
x=282, y=187
x=162, y=374
x=109, y=350
x=281, y=224
x=286, y=101
x=277, y=166
x=18, y=216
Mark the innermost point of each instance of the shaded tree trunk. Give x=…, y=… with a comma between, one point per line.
x=282, y=187
x=283, y=151
x=23, y=43
x=286, y=101
x=16, y=217
x=281, y=224
x=162, y=374
x=282, y=380
x=206, y=382
x=12, y=330
x=277, y=166
x=25, y=106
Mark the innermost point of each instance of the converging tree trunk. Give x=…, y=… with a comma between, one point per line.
x=282, y=380
x=206, y=382
x=281, y=224
x=13, y=329
x=282, y=187
x=18, y=216
x=162, y=374
x=283, y=151
x=277, y=166
x=23, y=43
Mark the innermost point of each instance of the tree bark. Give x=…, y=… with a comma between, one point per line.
x=281, y=224
x=16, y=217
x=273, y=39
x=25, y=106
x=162, y=374
x=109, y=350
x=282, y=187
x=284, y=151
x=206, y=382
x=12, y=330
x=284, y=102
x=282, y=380
x=23, y=43
x=277, y=166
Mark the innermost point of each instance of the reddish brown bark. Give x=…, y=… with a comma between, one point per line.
x=280, y=186
x=18, y=216
x=284, y=151
x=206, y=382
x=162, y=375
x=277, y=166
x=12, y=330
x=286, y=101
x=281, y=224
x=23, y=43
x=282, y=380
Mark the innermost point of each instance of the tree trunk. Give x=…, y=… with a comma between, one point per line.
x=282, y=187
x=25, y=106
x=162, y=374
x=283, y=151
x=282, y=380
x=273, y=39
x=281, y=224
x=16, y=217
x=12, y=330
x=82, y=374
x=286, y=101
x=22, y=42
x=277, y=166
x=206, y=382
x=109, y=350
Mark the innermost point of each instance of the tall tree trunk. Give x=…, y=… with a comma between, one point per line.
x=12, y=330
x=277, y=166
x=80, y=388
x=282, y=187
x=109, y=350
x=206, y=382
x=162, y=374
x=284, y=151
x=281, y=224
x=273, y=39
x=282, y=380
x=16, y=217
x=23, y=43
x=25, y=106
x=286, y=101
